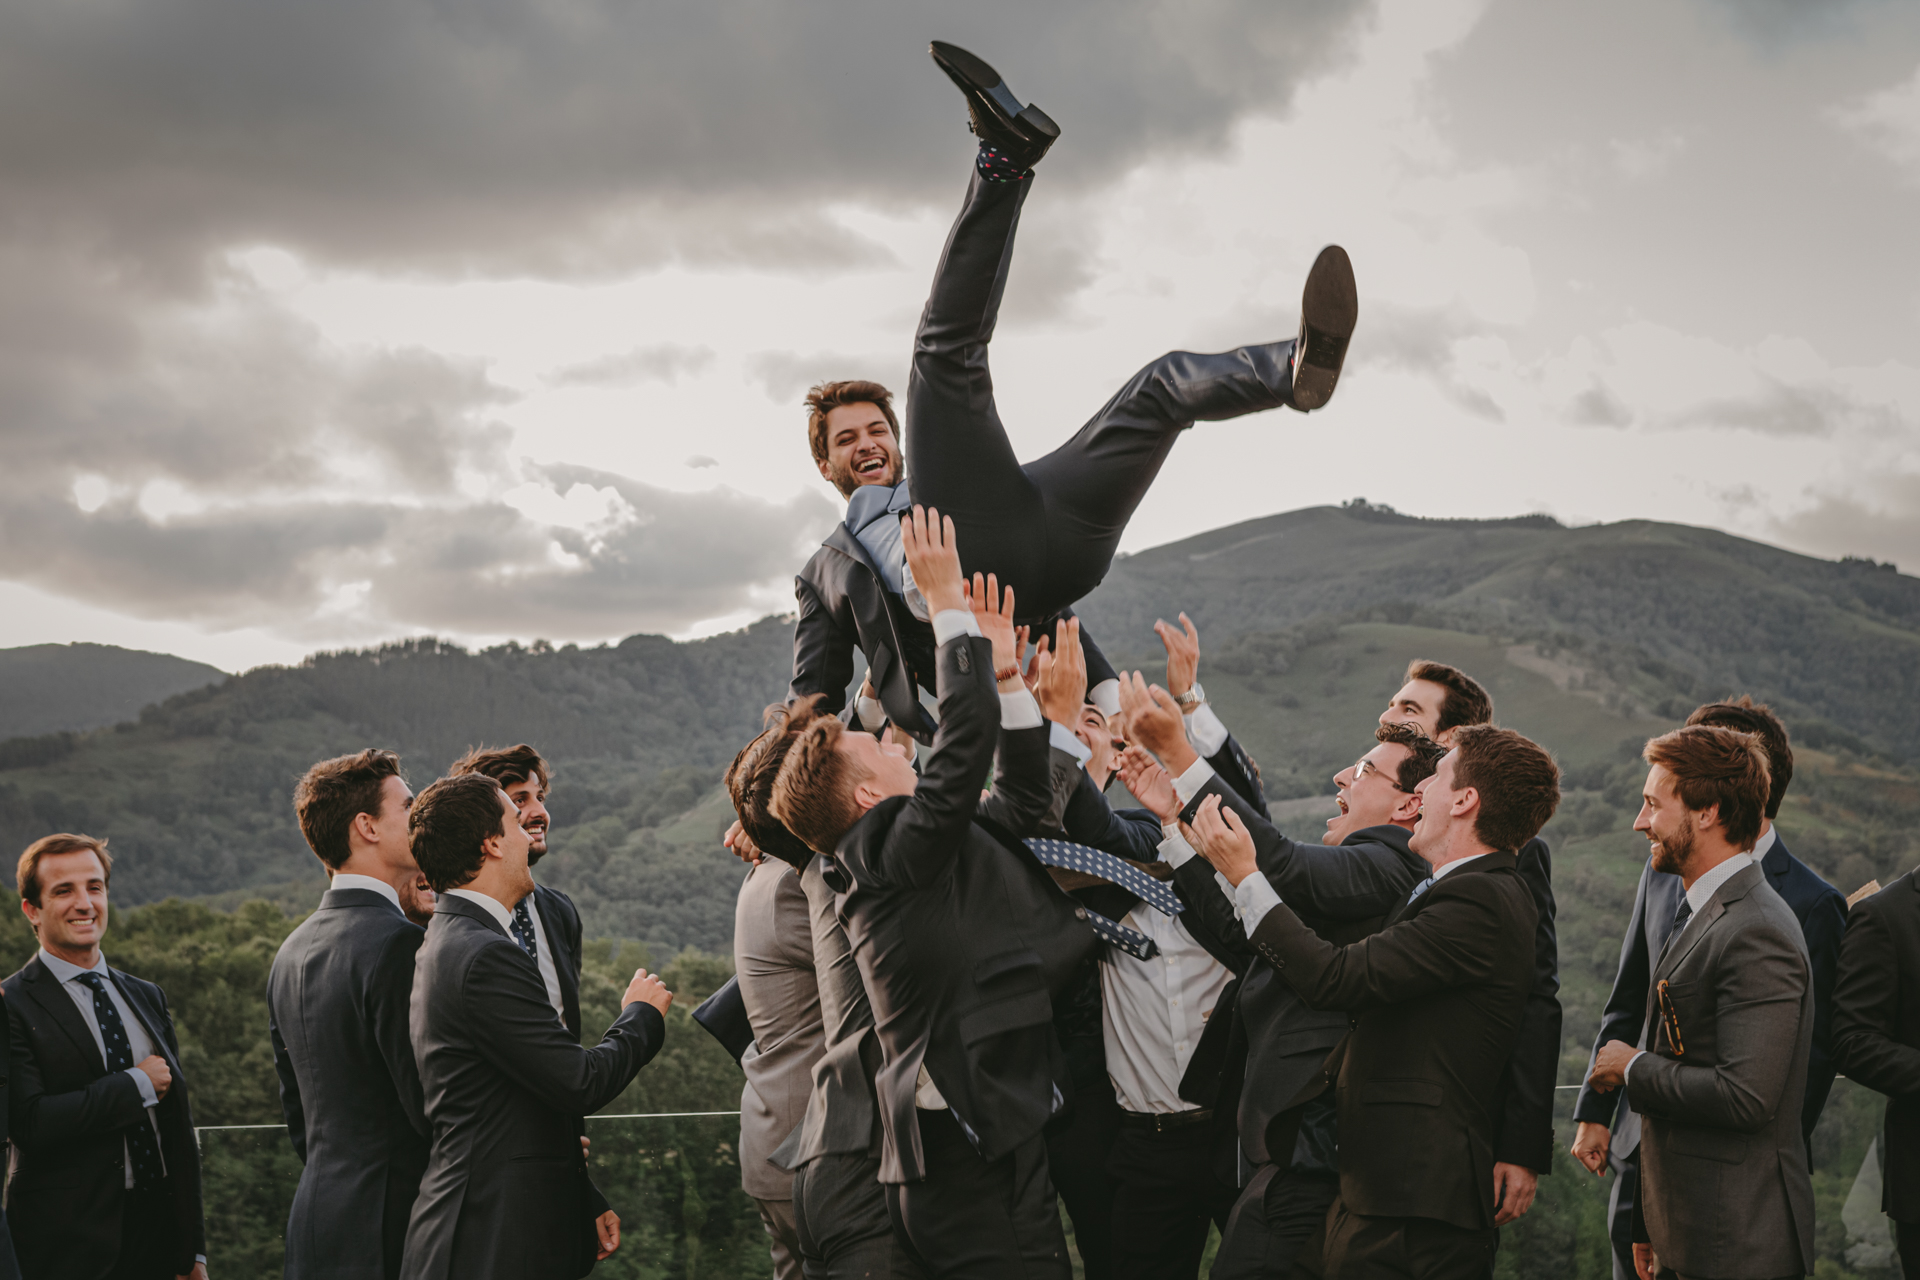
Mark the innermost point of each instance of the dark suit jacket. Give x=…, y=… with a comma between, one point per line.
x=506, y=1194
x=1724, y=1187
x=1524, y=1134
x=68, y=1117
x=1876, y=1028
x=1437, y=997
x=962, y=938
x=562, y=922
x=337, y=1002
x=1822, y=912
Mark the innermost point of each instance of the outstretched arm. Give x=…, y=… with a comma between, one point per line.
x=527, y=1043
x=822, y=651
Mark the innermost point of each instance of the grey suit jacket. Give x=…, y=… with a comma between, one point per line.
x=506, y=1194
x=841, y=1118
x=1725, y=1187
x=337, y=998
x=773, y=959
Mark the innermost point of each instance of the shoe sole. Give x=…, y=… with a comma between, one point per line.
x=979, y=81
x=1329, y=309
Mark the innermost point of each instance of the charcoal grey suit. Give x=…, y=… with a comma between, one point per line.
x=338, y=1000
x=1723, y=1166
x=963, y=940
x=506, y=1194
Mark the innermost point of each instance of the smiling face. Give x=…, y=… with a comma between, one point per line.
x=72, y=915
x=1369, y=795
x=530, y=797
x=882, y=769
x=861, y=448
x=1092, y=730
x=1418, y=702
x=1666, y=822
x=511, y=845
x=1433, y=833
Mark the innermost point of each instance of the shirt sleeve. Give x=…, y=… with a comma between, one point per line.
x=872, y=714
x=1106, y=696
x=1188, y=784
x=949, y=623
x=1627, y=1075
x=1253, y=898
x=1174, y=849
x=1019, y=711
x=1058, y=735
x=144, y=1082
x=1205, y=731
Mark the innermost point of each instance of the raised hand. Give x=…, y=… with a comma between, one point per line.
x=1154, y=721
x=1151, y=785
x=647, y=989
x=1218, y=835
x=1183, y=653
x=933, y=554
x=741, y=844
x=993, y=610
x=1061, y=678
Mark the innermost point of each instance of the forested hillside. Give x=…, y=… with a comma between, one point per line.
x=48, y=688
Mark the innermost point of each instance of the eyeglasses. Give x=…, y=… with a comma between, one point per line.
x=1670, y=1019
x=1363, y=766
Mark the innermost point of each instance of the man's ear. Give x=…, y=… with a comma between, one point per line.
x=1408, y=809
x=491, y=847
x=826, y=470
x=1465, y=801
x=866, y=794
x=1708, y=818
x=1445, y=738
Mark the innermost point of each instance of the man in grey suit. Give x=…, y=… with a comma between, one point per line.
x=773, y=959
x=337, y=998
x=506, y=1194
x=840, y=1218
x=1719, y=1076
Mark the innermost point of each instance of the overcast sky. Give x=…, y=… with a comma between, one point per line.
x=322, y=325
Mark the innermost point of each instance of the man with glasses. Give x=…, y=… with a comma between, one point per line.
x=1343, y=889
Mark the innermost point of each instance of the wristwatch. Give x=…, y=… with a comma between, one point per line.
x=1191, y=698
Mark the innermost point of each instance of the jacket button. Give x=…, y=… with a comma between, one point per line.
x=1079, y=913
x=965, y=660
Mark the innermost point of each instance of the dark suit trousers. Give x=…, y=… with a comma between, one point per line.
x=1050, y=527
x=975, y=1219
x=1907, y=1236
x=1354, y=1245
x=1278, y=1212
x=148, y=1230
x=1165, y=1194
x=1078, y=1147
x=840, y=1216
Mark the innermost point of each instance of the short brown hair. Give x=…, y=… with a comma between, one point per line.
x=1423, y=753
x=450, y=822
x=751, y=776
x=1758, y=719
x=506, y=765
x=828, y=396
x=52, y=846
x=1715, y=766
x=1518, y=782
x=813, y=792
x=1467, y=701
x=335, y=792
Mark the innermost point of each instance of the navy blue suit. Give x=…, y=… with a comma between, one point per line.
x=1821, y=910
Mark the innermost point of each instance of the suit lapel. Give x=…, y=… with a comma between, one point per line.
x=149, y=1018
x=50, y=994
x=843, y=541
x=563, y=959
x=1680, y=947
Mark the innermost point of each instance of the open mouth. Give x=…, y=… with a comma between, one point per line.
x=869, y=467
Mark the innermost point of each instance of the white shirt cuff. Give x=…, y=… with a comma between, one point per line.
x=1020, y=711
x=1188, y=784
x=1205, y=731
x=148, y=1096
x=1627, y=1075
x=949, y=623
x=1253, y=898
x=1174, y=849
x=1106, y=696
x=872, y=714
x=1066, y=740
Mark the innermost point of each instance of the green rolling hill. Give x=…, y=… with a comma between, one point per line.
x=53, y=688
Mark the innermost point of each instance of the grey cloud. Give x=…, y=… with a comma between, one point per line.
x=1599, y=407
x=785, y=375
x=700, y=461
x=663, y=362
x=1421, y=342
x=1793, y=410
x=1882, y=523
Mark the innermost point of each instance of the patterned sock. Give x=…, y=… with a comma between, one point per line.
x=995, y=167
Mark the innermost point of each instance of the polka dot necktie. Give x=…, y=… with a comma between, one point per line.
x=1079, y=857
x=143, y=1145
x=522, y=929
x=1419, y=889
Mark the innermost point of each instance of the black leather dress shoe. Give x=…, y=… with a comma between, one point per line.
x=1329, y=306
x=1020, y=133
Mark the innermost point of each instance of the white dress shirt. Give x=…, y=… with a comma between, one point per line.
x=549, y=976
x=1697, y=898
x=139, y=1044
x=349, y=880
x=1152, y=1012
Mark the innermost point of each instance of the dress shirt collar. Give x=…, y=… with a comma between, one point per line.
x=1705, y=887
x=349, y=880
x=494, y=909
x=1764, y=845
x=65, y=970
x=1456, y=863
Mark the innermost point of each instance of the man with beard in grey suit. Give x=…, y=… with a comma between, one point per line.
x=1720, y=1073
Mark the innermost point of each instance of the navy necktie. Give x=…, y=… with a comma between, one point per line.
x=1680, y=917
x=143, y=1145
x=1079, y=857
x=522, y=929
x=1419, y=889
